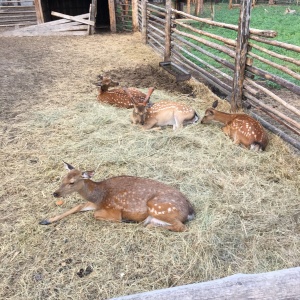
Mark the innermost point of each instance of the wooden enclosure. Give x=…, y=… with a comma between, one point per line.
x=103, y=14
x=17, y=13
x=181, y=38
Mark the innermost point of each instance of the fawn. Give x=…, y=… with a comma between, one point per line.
x=161, y=113
x=126, y=198
x=117, y=97
x=240, y=127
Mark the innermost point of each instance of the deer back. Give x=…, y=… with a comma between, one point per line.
x=247, y=131
x=239, y=127
x=170, y=113
x=118, y=97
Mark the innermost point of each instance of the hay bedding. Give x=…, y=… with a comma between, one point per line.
x=246, y=203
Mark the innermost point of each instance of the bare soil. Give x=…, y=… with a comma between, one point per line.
x=247, y=203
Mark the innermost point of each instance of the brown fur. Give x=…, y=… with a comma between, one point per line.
x=126, y=198
x=241, y=128
x=162, y=113
x=117, y=97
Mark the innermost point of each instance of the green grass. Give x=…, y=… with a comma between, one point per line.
x=263, y=17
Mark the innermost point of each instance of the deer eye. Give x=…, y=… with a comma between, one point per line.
x=71, y=183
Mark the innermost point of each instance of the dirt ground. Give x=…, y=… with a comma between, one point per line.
x=247, y=203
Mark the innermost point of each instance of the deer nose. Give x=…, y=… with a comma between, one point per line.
x=56, y=195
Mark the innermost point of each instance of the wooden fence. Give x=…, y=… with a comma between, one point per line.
x=233, y=66
x=124, y=15
x=17, y=13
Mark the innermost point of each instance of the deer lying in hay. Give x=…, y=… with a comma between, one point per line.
x=117, y=97
x=240, y=127
x=161, y=113
x=126, y=198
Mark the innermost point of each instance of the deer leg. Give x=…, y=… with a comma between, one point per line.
x=177, y=123
x=149, y=124
x=165, y=215
x=226, y=129
x=81, y=207
x=108, y=215
x=174, y=225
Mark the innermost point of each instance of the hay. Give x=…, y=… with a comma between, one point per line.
x=246, y=202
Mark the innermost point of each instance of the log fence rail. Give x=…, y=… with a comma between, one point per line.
x=235, y=67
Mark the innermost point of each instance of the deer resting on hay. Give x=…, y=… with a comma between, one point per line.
x=240, y=127
x=126, y=198
x=161, y=113
x=117, y=97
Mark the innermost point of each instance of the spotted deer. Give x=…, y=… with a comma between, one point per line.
x=161, y=113
x=126, y=198
x=240, y=127
x=117, y=97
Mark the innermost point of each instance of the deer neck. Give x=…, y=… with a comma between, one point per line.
x=92, y=191
x=222, y=117
x=104, y=88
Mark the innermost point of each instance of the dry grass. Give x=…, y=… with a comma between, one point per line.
x=246, y=203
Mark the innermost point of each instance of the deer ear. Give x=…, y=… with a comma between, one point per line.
x=68, y=166
x=87, y=174
x=147, y=99
x=215, y=104
x=210, y=112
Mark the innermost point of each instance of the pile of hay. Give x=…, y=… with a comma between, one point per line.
x=247, y=203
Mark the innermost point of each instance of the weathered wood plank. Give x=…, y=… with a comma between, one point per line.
x=135, y=20
x=112, y=16
x=48, y=33
x=282, y=284
x=76, y=18
x=39, y=11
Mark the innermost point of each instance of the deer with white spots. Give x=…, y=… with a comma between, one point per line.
x=117, y=97
x=161, y=113
x=126, y=198
x=240, y=127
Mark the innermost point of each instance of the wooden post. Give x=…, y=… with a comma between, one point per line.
x=282, y=284
x=92, y=17
x=241, y=55
x=167, y=53
x=112, y=16
x=188, y=7
x=39, y=11
x=135, y=15
x=144, y=21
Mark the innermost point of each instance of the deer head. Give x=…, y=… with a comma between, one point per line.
x=105, y=83
x=140, y=108
x=72, y=182
x=209, y=113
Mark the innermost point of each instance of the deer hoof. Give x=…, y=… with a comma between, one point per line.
x=45, y=222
